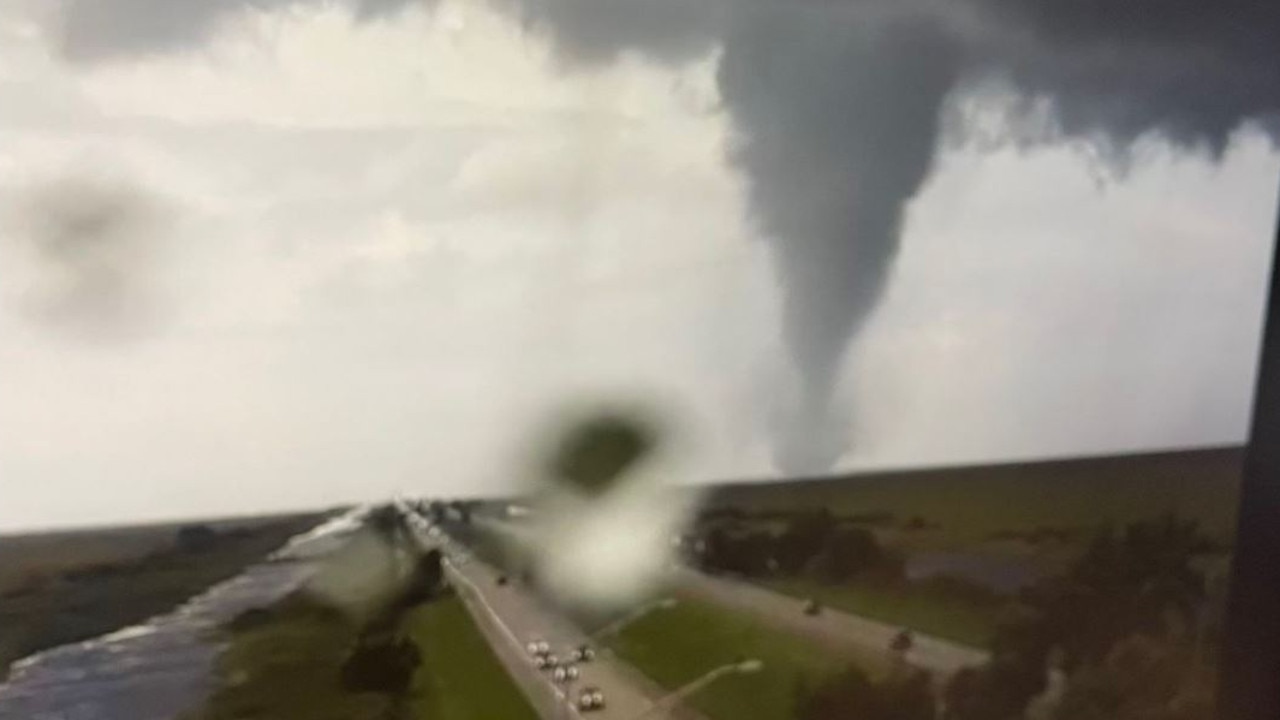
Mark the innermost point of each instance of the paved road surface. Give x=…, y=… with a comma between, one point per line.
x=844, y=631
x=832, y=627
x=152, y=671
x=518, y=616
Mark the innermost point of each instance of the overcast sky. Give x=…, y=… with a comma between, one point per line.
x=300, y=257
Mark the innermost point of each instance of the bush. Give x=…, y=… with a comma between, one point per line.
x=1139, y=582
x=381, y=665
x=852, y=695
x=196, y=538
x=849, y=552
x=1142, y=678
x=806, y=535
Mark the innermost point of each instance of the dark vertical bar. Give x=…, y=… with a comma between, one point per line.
x=1250, y=672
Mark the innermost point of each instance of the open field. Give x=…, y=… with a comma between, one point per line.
x=932, y=613
x=31, y=556
x=137, y=573
x=460, y=679
x=678, y=645
x=973, y=504
x=288, y=668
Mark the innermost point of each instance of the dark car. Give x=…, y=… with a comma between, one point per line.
x=582, y=653
x=590, y=698
x=502, y=580
x=902, y=642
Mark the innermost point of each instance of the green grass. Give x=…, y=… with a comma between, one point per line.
x=460, y=679
x=678, y=645
x=89, y=601
x=965, y=622
x=287, y=667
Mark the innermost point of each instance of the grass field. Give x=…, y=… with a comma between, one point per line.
x=288, y=668
x=460, y=678
x=971, y=503
x=676, y=646
x=949, y=618
x=81, y=602
x=27, y=558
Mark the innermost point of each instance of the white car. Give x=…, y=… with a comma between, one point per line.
x=582, y=653
x=538, y=647
x=590, y=699
x=565, y=673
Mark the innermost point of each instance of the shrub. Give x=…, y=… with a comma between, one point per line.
x=851, y=694
x=196, y=538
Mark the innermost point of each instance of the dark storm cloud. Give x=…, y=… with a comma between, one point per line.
x=1192, y=71
x=594, y=31
x=837, y=104
x=94, y=30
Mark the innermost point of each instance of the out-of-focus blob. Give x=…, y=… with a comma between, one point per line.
x=596, y=454
x=81, y=255
x=607, y=510
x=369, y=569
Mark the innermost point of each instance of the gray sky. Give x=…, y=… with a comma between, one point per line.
x=288, y=257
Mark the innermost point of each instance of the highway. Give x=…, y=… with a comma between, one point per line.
x=511, y=617
x=843, y=631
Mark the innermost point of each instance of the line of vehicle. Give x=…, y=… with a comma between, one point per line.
x=455, y=572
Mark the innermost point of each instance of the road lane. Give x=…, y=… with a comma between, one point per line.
x=520, y=617
x=840, y=630
x=831, y=627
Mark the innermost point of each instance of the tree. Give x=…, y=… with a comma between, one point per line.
x=1142, y=678
x=850, y=695
x=805, y=536
x=1141, y=581
x=196, y=538
x=426, y=581
x=849, y=552
x=383, y=664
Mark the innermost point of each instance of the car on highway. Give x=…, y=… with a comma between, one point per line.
x=590, y=698
x=902, y=642
x=565, y=673
x=582, y=653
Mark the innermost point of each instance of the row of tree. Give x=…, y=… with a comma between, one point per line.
x=811, y=543
x=1125, y=634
